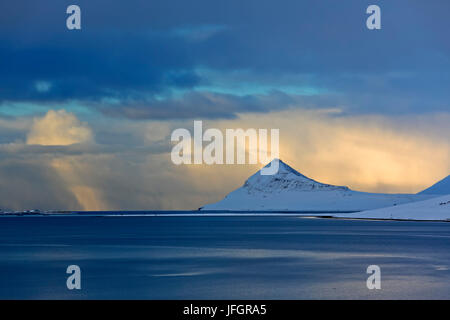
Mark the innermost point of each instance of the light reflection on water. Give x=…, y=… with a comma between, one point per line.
x=222, y=257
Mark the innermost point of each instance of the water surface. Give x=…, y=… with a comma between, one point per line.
x=249, y=257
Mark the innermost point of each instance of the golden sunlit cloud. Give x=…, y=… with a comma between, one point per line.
x=367, y=153
x=401, y=154
x=58, y=128
x=61, y=128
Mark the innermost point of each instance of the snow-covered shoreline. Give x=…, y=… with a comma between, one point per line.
x=435, y=209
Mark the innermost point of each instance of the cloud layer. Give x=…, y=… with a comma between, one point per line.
x=58, y=128
x=86, y=116
x=215, y=60
x=131, y=169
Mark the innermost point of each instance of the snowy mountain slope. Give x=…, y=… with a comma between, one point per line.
x=441, y=187
x=437, y=208
x=287, y=179
x=289, y=190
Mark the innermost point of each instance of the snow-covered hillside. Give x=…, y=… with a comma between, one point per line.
x=289, y=190
x=432, y=209
x=441, y=187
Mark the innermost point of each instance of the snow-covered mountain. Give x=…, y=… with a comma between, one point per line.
x=437, y=208
x=441, y=187
x=289, y=190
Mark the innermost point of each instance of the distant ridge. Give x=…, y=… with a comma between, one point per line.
x=439, y=188
x=435, y=209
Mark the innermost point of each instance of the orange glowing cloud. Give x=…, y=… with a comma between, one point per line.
x=368, y=153
x=58, y=128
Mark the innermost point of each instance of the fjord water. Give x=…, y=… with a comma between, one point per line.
x=169, y=257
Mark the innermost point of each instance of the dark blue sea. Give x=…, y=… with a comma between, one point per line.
x=221, y=257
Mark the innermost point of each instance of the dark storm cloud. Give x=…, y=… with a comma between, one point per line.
x=137, y=53
x=91, y=67
x=199, y=105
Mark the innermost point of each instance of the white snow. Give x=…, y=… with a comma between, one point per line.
x=441, y=187
x=437, y=208
x=289, y=190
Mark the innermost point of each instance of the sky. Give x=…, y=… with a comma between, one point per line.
x=86, y=115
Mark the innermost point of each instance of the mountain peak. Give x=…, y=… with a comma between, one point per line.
x=283, y=168
x=286, y=179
